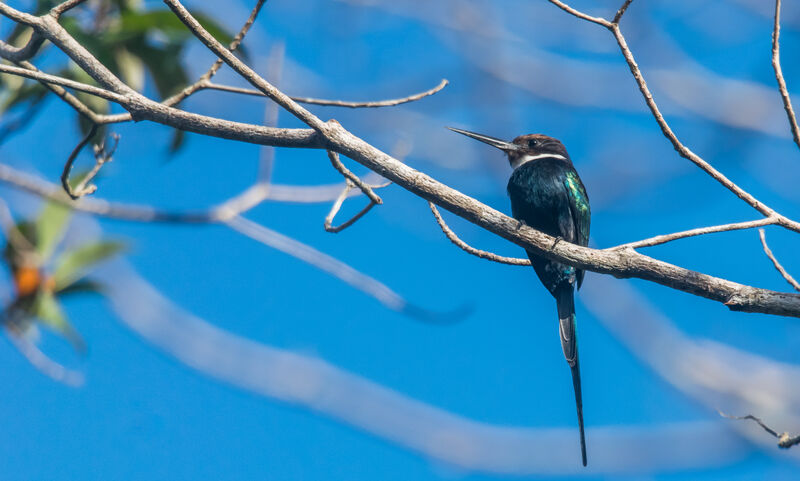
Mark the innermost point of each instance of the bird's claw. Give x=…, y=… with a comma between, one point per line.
x=520, y=223
x=555, y=242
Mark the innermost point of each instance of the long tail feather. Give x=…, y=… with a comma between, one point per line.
x=569, y=343
x=576, y=384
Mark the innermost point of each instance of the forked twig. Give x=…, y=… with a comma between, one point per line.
x=337, y=204
x=365, y=188
x=775, y=262
x=75, y=194
x=102, y=155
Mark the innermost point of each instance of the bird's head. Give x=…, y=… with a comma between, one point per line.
x=524, y=148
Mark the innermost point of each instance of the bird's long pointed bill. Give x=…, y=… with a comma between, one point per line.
x=500, y=144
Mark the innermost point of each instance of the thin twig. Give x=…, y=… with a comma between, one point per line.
x=42, y=362
x=20, y=54
x=365, y=188
x=598, y=20
x=336, y=103
x=785, y=440
x=776, y=65
x=102, y=156
x=64, y=82
x=320, y=260
x=246, y=72
x=337, y=204
x=76, y=193
x=775, y=262
x=514, y=261
x=63, y=7
x=664, y=238
x=621, y=11
x=205, y=79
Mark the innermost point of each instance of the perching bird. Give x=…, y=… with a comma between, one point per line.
x=547, y=194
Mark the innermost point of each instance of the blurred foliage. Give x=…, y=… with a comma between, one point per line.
x=42, y=279
x=144, y=47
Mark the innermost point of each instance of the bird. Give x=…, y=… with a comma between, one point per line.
x=547, y=194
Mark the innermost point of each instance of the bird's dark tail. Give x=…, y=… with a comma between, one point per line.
x=565, y=301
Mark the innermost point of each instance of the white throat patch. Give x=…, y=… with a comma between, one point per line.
x=527, y=158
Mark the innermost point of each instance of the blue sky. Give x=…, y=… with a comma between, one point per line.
x=514, y=67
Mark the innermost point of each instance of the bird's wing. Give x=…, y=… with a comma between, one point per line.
x=579, y=210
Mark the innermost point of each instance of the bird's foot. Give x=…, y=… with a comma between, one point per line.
x=555, y=242
x=520, y=223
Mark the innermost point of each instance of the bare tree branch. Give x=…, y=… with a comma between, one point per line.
x=366, y=189
x=78, y=192
x=785, y=440
x=246, y=72
x=581, y=15
x=64, y=82
x=621, y=11
x=514, y=261
x=228, y=213
x=322, y=261
x=42, y=362
x=776, y=65
x=682, y=150
x=329, y=227
x=337, y=103
x=64, y=7
x=19, y=54
x=205, y=80
x=775, y=262
x=664, y=238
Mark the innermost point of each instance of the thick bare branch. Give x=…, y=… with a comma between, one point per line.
x=776, y=65
x=514, y=261
x=775, y=262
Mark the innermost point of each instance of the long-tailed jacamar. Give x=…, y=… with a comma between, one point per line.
x=547, y=194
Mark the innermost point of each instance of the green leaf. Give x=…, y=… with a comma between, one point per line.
x=169, y=25
x=83, y=286
x=50, y=227
x=48, y=310
x=71, y=266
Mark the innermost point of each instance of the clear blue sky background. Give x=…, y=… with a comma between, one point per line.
x=143, y=416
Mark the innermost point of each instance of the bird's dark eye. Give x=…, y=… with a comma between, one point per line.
x=532, y=143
